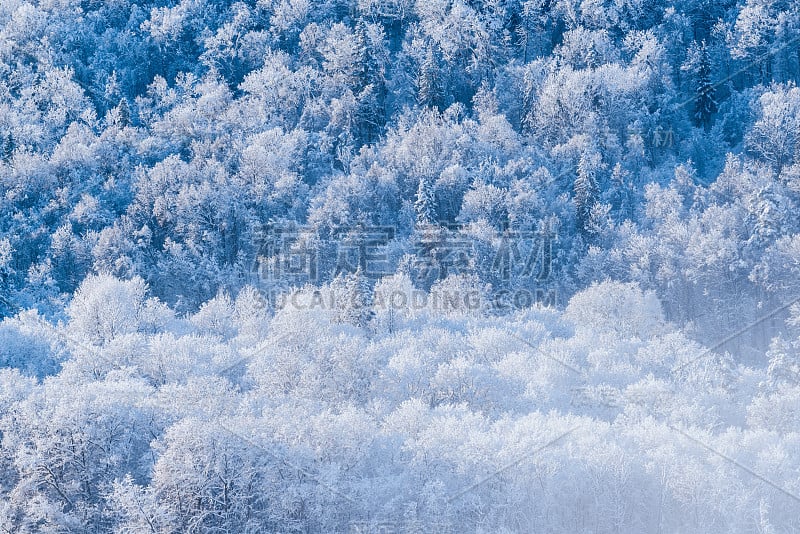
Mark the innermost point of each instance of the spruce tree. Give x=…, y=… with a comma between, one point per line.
x=705, y=101
x=370, y=87
x=7, y=147
x=430, y=91
x=353, y=296
x=124, y=113
x=425, y=205
x=586, y=189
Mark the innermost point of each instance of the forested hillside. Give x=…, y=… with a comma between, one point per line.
x=398, y=266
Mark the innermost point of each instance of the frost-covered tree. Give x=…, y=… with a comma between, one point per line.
x=430, y=90
x=705, y=104
x=353, y=298
x=774, y=134
x=425, y=203
x=586, y=189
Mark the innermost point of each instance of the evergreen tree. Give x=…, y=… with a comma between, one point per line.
x=124, y=113
x=353, y=298
x=6, y=277
x=369, y=70
x=7, y=147
x=586, y=189
x=705, y=104
x=620, y=193
x=370, y=87
x=430, y=91
x=425, y=205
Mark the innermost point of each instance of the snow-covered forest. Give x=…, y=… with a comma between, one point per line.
x=399, y=266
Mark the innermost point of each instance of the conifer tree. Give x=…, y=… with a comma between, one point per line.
x=586, y=189
x=124, y=113
x=430, y=91
x=425, y=205
x=370, y=87
x=7, y=147
x=353, y=296
x=705, y=99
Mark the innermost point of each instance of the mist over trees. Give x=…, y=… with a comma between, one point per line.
x=435, y=265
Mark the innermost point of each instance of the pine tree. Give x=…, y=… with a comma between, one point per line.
x=353, y=296
x=368, y=69
x=425, y=205
x=7, y=146
x=430, y=92
x=586, y=189
x=124, y=113
x=370, y=87
x=705, y=101
x=619, y=195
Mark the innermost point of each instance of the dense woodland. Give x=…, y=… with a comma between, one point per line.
x=632, y=167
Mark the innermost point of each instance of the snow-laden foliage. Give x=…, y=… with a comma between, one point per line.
x=395, y=265
x=603, y=418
